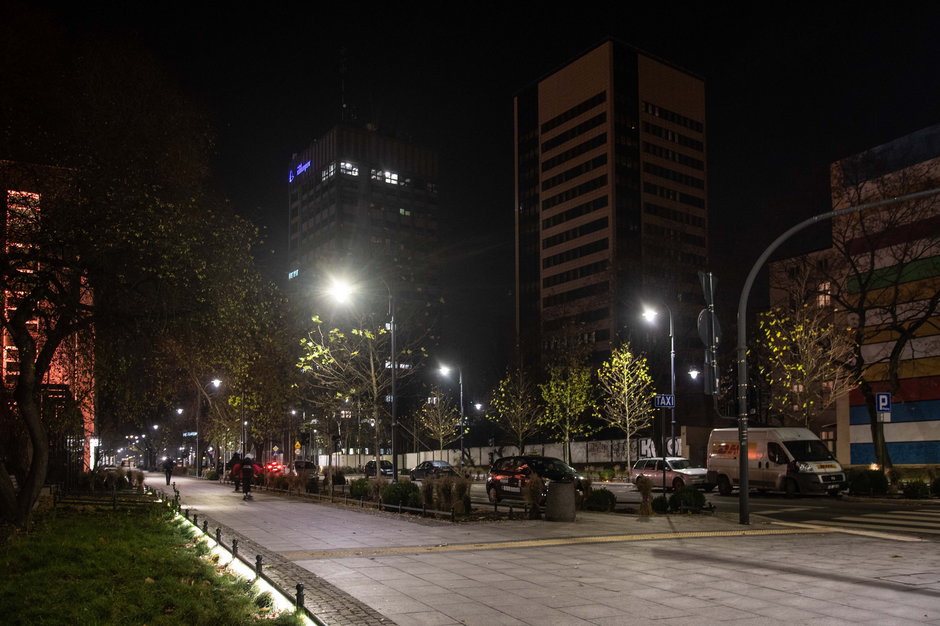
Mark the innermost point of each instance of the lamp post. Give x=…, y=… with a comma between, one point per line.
x=649, y=315
x=445, y=370
x=341, y=292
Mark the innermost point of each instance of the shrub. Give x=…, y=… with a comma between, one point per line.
x=687, y=498
x=312, y=484
x=869, y=483
x=532, y=494
x=935, y=487
x=606, y=474
x=211, y=475
x=400, y=493
x=462, y=495
x=916, y=489
x=600, y=500
x=428, y=493
x=359, y=488
x=376, y=487
x=444, y=492
x=659, y=504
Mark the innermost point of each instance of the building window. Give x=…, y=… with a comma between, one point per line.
x=350, y=169
x=293, y=274
x=385, y=177
x=824, y=294
x=328, y=172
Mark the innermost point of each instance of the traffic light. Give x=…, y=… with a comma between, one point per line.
x=337, y=443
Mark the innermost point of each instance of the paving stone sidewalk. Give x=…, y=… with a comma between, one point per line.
x=367, y=567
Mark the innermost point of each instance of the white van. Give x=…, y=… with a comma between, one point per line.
x=792, y=460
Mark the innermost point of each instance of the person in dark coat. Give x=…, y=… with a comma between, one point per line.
x=230, y=467
x=247, y=470
x=168, y=465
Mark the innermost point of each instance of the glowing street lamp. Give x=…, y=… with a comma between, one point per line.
x=649, y=314
x=445, y=371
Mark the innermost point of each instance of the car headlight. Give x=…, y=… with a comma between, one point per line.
x=803, y=467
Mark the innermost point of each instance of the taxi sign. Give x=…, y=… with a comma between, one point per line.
x=664, y=401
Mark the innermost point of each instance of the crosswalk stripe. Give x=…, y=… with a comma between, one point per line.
x=881, y=519
x=874, y=526
x=849, y=529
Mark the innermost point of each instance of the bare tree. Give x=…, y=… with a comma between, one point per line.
x=514, y=406
x=440, y=419
x=805, y=355
x=626, y=393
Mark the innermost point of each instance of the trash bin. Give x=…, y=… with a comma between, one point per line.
x=560, y=503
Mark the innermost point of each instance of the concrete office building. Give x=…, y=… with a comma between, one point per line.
x=363, y=205
x=611, y=202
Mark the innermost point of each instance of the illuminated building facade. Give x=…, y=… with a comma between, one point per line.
x=610, y=201
x=68, y=387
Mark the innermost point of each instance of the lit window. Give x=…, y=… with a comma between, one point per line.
x=328, y=171
x=405, y=212
x=293, y=274
x=386, y=177
x=824, y=294
x=350, y=169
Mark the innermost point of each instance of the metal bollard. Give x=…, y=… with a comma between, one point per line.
x=218, y=536
x=234, y=548
x=453, y=514
x=300, y=596
x=196, y=520
x=186, y=513
x=205, y=526
x=258, y=564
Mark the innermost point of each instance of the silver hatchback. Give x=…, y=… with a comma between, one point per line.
x=679, y=473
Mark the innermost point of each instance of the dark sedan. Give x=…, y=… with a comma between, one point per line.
x=432, y=469
x=508, y=476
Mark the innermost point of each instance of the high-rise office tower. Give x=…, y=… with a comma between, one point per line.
x=611, y=203
x=363, y=206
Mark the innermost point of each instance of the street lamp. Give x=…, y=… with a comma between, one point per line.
x=445, y=371
x=341, y=292
x=649, y=314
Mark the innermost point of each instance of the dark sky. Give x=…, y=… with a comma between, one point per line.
x=790, y=88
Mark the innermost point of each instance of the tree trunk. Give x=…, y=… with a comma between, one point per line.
x=877, y=431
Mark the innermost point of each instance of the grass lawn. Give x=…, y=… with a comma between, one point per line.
x=90, y=566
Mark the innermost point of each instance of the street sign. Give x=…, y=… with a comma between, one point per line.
x=664, y=401
x=883, y=406
x=275, y=449
x=296, y=445
x=883, y=402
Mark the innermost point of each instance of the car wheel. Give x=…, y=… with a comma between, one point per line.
x=492, y=495
x=709, y=488
x=677, y=484
x=791, y=488
x=724, y=485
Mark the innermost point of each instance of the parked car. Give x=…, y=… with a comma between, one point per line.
x=274, y=468
x=432, y=469
x=369, y=468
x=509, y=475
x=301, y=465
x=679, y=473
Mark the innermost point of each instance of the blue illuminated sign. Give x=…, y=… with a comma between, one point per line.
x=303, y=167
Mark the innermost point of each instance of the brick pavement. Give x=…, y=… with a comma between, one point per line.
x=367, y=567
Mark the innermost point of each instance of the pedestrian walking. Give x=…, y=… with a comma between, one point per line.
x=168, y=465
x=230, y=468
x=247, y=470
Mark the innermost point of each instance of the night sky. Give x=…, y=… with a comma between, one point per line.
x=790, y=87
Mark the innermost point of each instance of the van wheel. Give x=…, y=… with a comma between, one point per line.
x=724, y=485
x=677, y=484
x=791, y=488
x=491, y=494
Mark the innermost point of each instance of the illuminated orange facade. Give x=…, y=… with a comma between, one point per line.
x=68, y=385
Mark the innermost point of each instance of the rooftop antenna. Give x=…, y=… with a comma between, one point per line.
x=342, y=83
